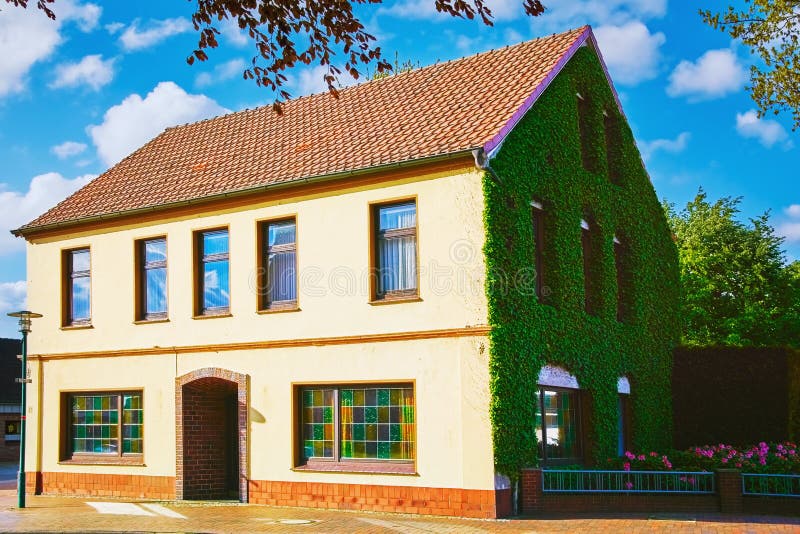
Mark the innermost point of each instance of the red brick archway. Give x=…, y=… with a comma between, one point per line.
x=211, y=409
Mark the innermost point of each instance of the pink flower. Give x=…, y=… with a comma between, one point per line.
x=653, y=454
x=642, y=458
x=629, y=485
x=629, y=455
x=626, y=466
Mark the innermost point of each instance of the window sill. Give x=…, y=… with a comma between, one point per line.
x=77, y=327
x=357, y=467
x=395, y=300
x=136, y=461
x=213, y=316
x=279, y=309
x=151, y=321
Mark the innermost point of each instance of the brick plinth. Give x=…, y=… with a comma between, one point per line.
x=402, y=499
x=135, y=486
x=729, y=489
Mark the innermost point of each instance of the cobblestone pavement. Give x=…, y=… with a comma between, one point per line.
x=73, y=514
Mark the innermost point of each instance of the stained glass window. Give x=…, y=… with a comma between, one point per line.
x=374, y=423
x=318, y=423
x=97, y=420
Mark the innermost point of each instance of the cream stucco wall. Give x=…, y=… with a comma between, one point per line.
x=333, y=263
x=451, y=386
x=450, y=374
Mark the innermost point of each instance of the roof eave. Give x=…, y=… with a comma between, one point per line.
x=28, y=231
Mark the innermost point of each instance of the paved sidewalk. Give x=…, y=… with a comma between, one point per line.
x=72, y=514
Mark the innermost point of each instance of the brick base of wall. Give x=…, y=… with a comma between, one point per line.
x=754, y=504
x=483, y=504
x=403, y=499
x=132, y=486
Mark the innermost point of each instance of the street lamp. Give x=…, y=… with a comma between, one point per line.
x=24, y=327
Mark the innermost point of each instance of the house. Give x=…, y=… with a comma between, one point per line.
x=10, y=395
x=375, y=302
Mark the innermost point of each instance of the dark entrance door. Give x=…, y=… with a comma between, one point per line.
x=210, y=440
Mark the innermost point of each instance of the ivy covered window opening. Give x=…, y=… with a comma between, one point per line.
x=537, y=219
x=357, y=423
x=587, y=243
x=613, y=142
x=623, y=280
x=586, y=134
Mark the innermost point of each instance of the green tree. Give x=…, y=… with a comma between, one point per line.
x=771, y=29
x=286, y=33
x=736, y=288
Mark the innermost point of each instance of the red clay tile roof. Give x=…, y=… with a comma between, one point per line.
x=441, y=109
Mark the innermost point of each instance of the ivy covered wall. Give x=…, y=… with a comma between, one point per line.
x=544, y=158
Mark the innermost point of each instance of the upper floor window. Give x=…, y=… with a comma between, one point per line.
x=611, y=128
x=151, y=279
x=537, y=219
x=212, y=278
x=395, y=250
x=77, y=287
x=278, y=264
x=587, y=244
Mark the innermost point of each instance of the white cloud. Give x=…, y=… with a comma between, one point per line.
x=225, y=71
x=767, y=131
x=92, y=71
x=715, y=74
x=86, y=16
x=68, y=149
x=789, y=230
x=565, y=14
x=18, y=208
x=230, y=30
x=13, y=296
x=27, y=37
x=631, y=52
x=793, y=211
x=156, y=31
x=673, y=146
x=134, y=121
x=114, y=27
x=310, y=81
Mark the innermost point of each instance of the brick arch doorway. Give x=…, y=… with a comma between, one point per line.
x=211, y=407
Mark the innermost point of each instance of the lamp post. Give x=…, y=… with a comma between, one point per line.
x=24, y=327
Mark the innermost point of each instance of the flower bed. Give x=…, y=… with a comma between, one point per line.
x=773, y=458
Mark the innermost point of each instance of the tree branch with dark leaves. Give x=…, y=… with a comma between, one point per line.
x=286, y=33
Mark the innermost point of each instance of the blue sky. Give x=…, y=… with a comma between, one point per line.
x=78, y=94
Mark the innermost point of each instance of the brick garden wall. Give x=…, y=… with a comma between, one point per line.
x=727, y=499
